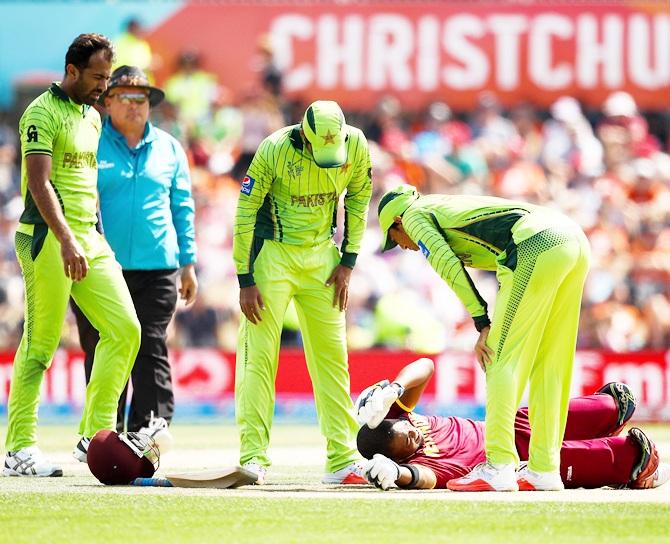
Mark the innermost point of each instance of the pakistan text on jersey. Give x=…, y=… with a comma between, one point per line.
x=80, y=159
x=310, y=201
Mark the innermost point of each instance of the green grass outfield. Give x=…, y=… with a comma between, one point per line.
x=295, y=507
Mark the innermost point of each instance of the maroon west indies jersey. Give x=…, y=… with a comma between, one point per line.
x=452, y=445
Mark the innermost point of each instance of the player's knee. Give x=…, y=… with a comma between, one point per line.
x=134, y=330
x=41, y=351
x=126, y=329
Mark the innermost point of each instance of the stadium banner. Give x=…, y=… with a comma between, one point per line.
x=204, y=381
x=357, y=52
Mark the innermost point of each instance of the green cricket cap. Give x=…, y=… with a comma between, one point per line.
x=393, y=204
x=325, y=129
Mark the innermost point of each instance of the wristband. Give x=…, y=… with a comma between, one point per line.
x=481, y=322
x=415, y=477
x=399, y=388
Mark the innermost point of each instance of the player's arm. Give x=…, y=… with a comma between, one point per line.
x=380, y=400
x=415, y=476
x=38, y=129
x=413, y=378
x=386, y=474
x=356, y=204
x=423, y=229
x=183, y=218
x=255, y=188
x=38, y=168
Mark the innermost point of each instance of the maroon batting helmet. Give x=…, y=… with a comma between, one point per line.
x=117, y=459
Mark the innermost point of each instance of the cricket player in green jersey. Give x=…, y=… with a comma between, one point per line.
x=541, y=259
x=61, y=253
x=283, y=250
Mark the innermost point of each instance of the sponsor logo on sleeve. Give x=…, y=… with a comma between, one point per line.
x=247, y=185
x=31, y=134
x=424, y=249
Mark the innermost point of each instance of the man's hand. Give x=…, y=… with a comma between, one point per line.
x=340, y=277
x=74, y=261
x=374, y=403
x=189, y=284
x=381, y=472
x=251, y=303
x=482, y=351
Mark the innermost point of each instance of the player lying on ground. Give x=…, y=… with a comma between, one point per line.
x=413, y=451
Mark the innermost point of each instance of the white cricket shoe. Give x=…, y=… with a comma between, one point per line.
x=529, y=480
x=29, y=461
x=661, y=475
x=487, y=477
x=257, y=469
x=157, y=429
x=352, y=474
x=80, y=451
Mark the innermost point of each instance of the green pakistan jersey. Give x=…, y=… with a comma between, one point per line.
x=287, y=198
x=454, y=231
x=54, y=125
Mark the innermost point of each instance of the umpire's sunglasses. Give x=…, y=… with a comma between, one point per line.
x=131, y=98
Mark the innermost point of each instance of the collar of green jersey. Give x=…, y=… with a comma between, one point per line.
x=296, y=140
x=58, y=91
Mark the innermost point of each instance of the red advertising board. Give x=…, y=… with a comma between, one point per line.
x=207, y=376
x=356, y=52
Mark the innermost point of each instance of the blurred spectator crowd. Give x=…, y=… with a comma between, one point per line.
x=606, y=169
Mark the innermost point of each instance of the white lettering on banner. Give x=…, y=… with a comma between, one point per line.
x=77, y=381
x=65, y=383
x=456, y=373
x=428, y=57
x=475, y=69
x=507, y=30
x=200, y=374
x=644, y=71
x=645, y=379
x=542, y=72
x=451, y=372
x=283, y=30
x=335, y=55
x=391, y=51
x=59, y=380
x=592, y=53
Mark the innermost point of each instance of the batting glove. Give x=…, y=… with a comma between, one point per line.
x=374, y=403
x=365, y=395
x=381, y=472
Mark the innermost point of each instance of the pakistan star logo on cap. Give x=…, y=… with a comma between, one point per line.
x=328, y=138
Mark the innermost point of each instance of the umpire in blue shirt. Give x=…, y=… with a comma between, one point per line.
x=148, y=216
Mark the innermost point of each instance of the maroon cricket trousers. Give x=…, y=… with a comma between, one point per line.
x=592, y=455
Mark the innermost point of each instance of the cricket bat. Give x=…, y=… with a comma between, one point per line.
x=222, y=478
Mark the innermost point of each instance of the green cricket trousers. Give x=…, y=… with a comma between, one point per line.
x=103, y=296
x=283, y=272
x=533, y=335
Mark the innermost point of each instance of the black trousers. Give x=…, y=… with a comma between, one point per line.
x=154, y=294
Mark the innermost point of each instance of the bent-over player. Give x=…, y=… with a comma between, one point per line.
x=541, y=258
